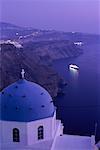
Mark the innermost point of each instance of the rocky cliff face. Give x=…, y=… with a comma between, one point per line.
x=13, y=59
x=53, y=49
x=37, y=51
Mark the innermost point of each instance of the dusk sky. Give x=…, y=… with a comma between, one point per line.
x=65, y=15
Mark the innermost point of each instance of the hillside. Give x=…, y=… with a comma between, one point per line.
x=52, y=50
x=27, y=34
x=47, y=44
x=34, y=50
x=13, y=59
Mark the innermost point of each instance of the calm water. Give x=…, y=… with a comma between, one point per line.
x=79, y=108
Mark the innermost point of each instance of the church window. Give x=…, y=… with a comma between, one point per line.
x=40, y=133
x=16, y=137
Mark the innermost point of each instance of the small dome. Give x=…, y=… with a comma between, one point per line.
x=25, y=101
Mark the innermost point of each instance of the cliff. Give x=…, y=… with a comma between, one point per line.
x=34, y=50
x=13, y=59
x=53, y=50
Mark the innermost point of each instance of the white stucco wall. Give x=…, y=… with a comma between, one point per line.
x=28, y=131
x=49, y=130
x=6, y=132
x=58, y=132
x=54, y=125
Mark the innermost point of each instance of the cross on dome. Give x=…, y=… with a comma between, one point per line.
x=22, y=73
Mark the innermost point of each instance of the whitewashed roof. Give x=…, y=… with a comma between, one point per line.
x=71, y=142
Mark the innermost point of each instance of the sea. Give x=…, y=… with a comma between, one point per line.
x=79, y=105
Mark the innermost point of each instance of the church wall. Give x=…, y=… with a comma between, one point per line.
x=59, y=131
x=7, y=132
x=28, y=131
x=32, y=130
x=54, y=125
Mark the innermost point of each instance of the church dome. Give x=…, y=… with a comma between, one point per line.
x=25, y=101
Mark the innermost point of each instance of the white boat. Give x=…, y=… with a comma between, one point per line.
x=73, y=66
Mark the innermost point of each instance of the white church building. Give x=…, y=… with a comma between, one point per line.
x=28, y=121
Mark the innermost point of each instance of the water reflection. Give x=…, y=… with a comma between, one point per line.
x=73, y=82
x=74, y=73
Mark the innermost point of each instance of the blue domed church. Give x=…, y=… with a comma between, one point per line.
x=28, y=121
